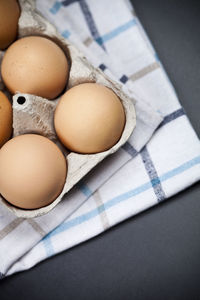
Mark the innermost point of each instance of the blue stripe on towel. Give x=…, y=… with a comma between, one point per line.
x=66, y=34
x=55, y=8
x=176, y=114
x=84, y=189
x=130, y=149
x=112, y=34
x=90, y=21
x=124, y=79
x=123, y=197
x=153, y=175
x=48, y=245
x=68, y=2
x=102, y=67
x=171, y=117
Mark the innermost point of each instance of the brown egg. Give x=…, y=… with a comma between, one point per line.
x=89, y=118
x=5, y=119
x=35, y=65
x=9, y=16
x=32, y=171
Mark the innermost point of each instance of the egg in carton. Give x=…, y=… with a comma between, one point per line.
x=33, y=114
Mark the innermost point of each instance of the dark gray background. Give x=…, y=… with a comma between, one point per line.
x=155, y=255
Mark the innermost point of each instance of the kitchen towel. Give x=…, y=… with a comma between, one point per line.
x=112, y=38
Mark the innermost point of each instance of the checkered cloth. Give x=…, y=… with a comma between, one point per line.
x=111, y=36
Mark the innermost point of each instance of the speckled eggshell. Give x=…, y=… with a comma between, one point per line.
x=33, y=171
x=35, y=65
x=89, y=118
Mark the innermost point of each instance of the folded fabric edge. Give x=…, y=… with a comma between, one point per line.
x=24, y=268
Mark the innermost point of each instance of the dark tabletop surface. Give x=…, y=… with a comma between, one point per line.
x=155, y=255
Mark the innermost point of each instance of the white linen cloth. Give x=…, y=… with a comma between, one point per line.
x=137, y=176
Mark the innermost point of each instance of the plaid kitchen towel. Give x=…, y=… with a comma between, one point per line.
x=111, y=36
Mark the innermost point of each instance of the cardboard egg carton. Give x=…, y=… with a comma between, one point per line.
x=32, y=114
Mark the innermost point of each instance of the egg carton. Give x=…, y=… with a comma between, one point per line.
x=32, y=114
